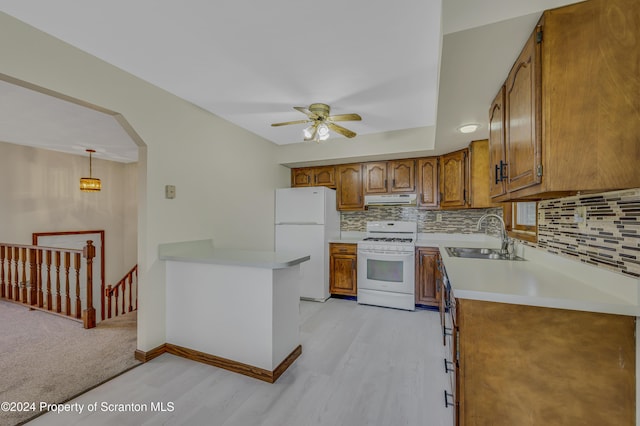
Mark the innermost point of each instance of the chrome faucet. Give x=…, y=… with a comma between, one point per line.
x=505, y=237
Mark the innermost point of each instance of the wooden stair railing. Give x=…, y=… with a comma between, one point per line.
x=124, y=287
x=22, y=280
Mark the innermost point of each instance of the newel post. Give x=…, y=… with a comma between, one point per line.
x=89, y=314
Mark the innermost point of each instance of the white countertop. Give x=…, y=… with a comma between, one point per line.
x=203, y=251
x=543, y=279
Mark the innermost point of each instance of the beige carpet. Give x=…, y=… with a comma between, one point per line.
x=47, y=358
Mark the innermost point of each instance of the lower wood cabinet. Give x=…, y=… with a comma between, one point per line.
x=427, y=283
x=343, y=266
x=526, y=365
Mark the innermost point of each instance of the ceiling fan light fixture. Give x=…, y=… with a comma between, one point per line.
x=468, y=128
x=308, y=132
x=323, y=132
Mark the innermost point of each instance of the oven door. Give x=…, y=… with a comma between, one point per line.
x=386, y=271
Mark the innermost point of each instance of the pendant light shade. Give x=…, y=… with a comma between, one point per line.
x=90, y=184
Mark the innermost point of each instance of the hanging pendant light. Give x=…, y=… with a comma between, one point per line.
x=90, y=184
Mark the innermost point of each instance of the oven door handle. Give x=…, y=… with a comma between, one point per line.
x=398, y=254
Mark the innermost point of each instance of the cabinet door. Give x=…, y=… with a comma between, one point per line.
x=349, y=187
x=324, y=176
x=453, y=179
x=428, y=182
x=375, y=178
x=343, y=269
x=426, y=293
x=301, y=177
x=522, y=118
x=402, y=176
x=478, y=196
x=497, y=163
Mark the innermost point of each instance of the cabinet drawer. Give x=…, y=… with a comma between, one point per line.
x=343, y=248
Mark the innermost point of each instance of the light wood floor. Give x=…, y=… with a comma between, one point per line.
x=360, y=365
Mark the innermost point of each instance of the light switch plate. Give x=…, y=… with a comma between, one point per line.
x=170, y=192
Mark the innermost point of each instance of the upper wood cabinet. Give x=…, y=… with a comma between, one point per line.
x=497, y=164
x=375, y=178
x=570, y=119
x=314, y=176
x=301, y=177
x=402, y=175
x=478, y=196
x=454, y=179
x=522, y=93
x=397, y=176
x=349, y=187
x=427, y=182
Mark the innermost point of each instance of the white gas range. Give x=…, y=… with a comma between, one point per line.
x=386, y=265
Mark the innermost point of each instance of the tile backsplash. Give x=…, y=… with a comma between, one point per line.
x=452, y=221
x=609, y=236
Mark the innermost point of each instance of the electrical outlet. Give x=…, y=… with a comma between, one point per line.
x=580, y=217
x=438, y=217
x=169, y=192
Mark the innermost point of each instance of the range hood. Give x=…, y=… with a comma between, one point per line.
x=390, y=200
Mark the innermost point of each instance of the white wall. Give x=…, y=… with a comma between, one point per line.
x=224, y=176
x=40, y=193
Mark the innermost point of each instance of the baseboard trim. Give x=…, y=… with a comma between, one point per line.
x=143, y=356
x=235, y=366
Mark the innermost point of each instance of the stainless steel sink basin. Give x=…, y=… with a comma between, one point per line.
x=480, y=253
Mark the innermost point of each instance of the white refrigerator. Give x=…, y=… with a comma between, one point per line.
x=305, y=220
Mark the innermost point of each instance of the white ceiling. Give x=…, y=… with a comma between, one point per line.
x=250, y=62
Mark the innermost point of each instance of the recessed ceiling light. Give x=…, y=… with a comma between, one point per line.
x=468, y=128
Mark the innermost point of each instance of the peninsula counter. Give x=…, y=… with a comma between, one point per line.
x=234, y=309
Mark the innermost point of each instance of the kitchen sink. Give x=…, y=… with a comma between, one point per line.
x=480, y=253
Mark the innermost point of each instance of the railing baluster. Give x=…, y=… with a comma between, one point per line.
x=124, y=294
x=116, y=295
x=67, y=291
x=136, y=272
x=2, y=283
x=39, y=281
x=16, y=277
x=58, y=297
x=108, y=296
x=23, y=283
x=48, y=261
x=89, y=314
x=9, y=277
x=33, y=296
x=76, y=264
x=130, y=276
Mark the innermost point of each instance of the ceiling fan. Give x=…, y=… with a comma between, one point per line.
x=322, y=122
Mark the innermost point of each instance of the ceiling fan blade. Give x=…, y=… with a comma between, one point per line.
x=344, y=117
x=286, y=123
x=339, y=129
x=305, y=110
